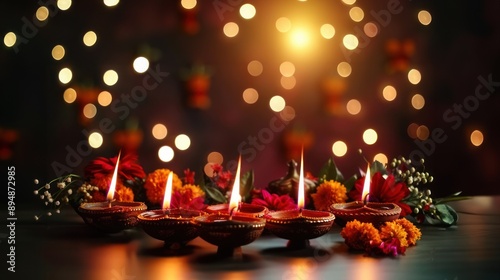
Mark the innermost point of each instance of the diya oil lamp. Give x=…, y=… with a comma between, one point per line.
x=299, y=225
x=365, y=211
x=230, y=230
x=111, y=216
x=172, y=225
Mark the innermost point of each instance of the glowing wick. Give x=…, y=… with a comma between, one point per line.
x=112, y=185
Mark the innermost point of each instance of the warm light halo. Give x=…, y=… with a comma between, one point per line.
x=112, y=185
x=167, y=197
x=235, y=200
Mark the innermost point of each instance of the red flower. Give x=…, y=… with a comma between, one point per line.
x=102, y=167
x=223, y=179
x=186, y=201
x=216, y=168
x=273, y=202
x=188, y=177
x=383, y=190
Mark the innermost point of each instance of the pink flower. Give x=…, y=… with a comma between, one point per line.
x=392, y=247
x=273, y=202
x=186, y=201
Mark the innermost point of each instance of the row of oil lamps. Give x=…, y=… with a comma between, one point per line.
x=230, y=226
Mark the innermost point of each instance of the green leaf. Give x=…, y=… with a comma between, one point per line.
x=330, y=172
x=377, y=166
x=447, y=214
x=215, y=194
x=349, y=184
x=247, y=185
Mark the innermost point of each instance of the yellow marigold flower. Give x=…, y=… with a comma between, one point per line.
x=155, y=185
x=194, y=191
x=124, y=194
x=413, y=233
x=392, y=230
x=328, y=193
x=360, y=236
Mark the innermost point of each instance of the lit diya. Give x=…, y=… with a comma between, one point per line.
x=111, y=216
x=172, y=225
x=299, y=225
x=365, y=211
x=229, y=230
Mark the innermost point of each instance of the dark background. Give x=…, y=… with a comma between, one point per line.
x=462, y=43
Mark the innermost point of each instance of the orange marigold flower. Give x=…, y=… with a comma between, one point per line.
x=360, y=236
x=193, y=191
x=391, y=230
x=155, y=185
x=124, y=194
x=328, y=193
x=413, y=233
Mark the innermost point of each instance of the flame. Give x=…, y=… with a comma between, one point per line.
x=112, y=185
x=366, y=186
x=300, y=197
x=168, y=191
x=235, y=193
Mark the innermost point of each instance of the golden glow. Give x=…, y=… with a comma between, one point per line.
x=42, y=13
x=350, y=42
x=349, y=2
x=277, y=103
x=365, y=195
x=250, y=95
x=424, y=17
x=110, y=77
x=95, y=140
x=255, y=68
x=215, y=157
x=422, y=132
x=414, y=76
x=112, y=185
x=9, y=39
x=380, y=157
x=89, y=111
x=111, y=3
x=344, y=69
x=69, y=95
x=356, y=14
x=353, y=107
x=209, y=171
x=90, y=38
x=370, y=29
x=327, y=31
x=167, y=196
x=247, y=11
x=104, y=98
x=339, y=148
x=65, y=75
x=288, y=82
x=63, y=5
x=389, y=93
x=188, y=4
x=412, y=130
x=140, y=64
x=182, y=142
x=234, y=202
x=166, y=153
x=301, y=189
x=287, y=69
x=159, y=131
x=231, y=29
x=299, y=38
x=418, y=101
x=287, y=114
x=476, y=138
x=370, y=136
x=283, y=24
x=58, y=52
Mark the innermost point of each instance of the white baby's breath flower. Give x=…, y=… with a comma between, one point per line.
x=70, y=191
x=36, y=181
x=36, y=218
x=61, y=185
x=35, y=192
x=47, y=186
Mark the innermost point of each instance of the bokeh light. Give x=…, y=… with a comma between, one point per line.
x=412, y=130
x=250, y=95
x=389, y=93
x=231, y=29
x=247, y=11
x=95, y=140
x=356, y=14
x=418, y=101
x=327, y=31
x=353, y=107
x=215, y=157
x=42, y=13
x=299, y=38
x=65, y=75
x=104, y=98
x=339, y=148
x=287, y=114
x=182, y=142
x=283, y=24
x=188, y=4
x=414, y=76
x=288, y=82
x=380, y=157
x=255, y=68
x=58, y=52
x=64, y=5
x=370, y=29
x=110, y=77
x=69, y=95
x=9, y=39
x=140, y=64
x=424, y=17
x=111, y=3
x=370, y=136
x=287, y=69
x=350, y=42
x=277, y=103
x=89, y=110
x=159, y=131
x=349, y=2
x=344, y=69
x=476, y=138
x=166, y=153
x=422, y=132
x=90, y=38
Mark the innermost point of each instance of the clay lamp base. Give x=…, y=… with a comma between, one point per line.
x=299, y=226
x=111, y=217
x=173, y=226
x=376, y=213
x=229, y=233
x=244, y=210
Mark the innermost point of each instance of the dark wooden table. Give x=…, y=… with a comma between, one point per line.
x=65, y=248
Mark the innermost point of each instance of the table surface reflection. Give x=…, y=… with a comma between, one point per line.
x=65, y=248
